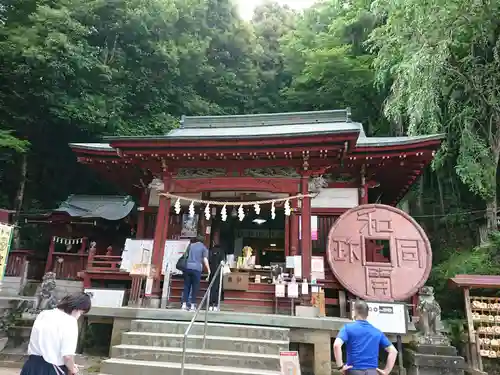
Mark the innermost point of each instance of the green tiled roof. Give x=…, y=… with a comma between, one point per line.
x=273, y=125
x=109, y=207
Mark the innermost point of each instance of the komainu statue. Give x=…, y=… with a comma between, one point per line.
x=46, y=298
x=429, y=318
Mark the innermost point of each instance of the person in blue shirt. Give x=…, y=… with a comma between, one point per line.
x=196, y=259
x=363, y=342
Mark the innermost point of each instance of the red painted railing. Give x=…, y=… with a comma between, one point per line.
x=68, y=265
x=103, y=262
x=16, y=261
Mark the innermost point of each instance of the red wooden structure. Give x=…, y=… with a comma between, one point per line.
x=269, y=153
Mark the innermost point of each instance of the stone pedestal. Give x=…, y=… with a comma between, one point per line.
x=428, y=359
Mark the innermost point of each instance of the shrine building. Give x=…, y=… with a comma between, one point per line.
x=305, y=168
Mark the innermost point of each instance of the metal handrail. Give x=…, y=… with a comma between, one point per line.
x=206, y=297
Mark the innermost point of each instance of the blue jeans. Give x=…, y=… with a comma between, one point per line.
x=192, y=280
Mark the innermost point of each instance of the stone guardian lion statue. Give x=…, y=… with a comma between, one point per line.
x=429, y=313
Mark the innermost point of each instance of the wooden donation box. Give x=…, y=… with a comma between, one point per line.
x=318, y=300
x=236, y=281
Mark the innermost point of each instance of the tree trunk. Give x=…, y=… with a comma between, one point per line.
x=491, y=213
x=491, y=202
x=18, y=203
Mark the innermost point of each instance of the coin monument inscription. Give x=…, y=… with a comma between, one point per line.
x=379, y=252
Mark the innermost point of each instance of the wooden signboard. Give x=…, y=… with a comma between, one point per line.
x=236, y=281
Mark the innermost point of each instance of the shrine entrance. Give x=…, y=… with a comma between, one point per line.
x=257, y=230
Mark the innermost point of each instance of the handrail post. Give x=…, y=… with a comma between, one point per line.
x=220, y=285
x=184, y=343
x=207, y=303
x=205, y=299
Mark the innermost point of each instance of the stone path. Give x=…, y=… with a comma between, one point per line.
x=90, y=365
x=9, y=371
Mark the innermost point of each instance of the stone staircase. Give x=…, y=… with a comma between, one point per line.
x=154, y=347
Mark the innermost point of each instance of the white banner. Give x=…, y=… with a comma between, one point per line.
x=174, y=249
x=6, y=234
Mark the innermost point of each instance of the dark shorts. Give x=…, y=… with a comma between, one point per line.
x=36, y=365
x=363, y=372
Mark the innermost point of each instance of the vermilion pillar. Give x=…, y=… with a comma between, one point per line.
x=141, y=219
x=305, y=217
x=287, y=236
x=161, y=234
x=294, y=229
x=363, y=191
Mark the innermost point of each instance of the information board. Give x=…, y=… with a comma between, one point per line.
x=389, y=317
x=136, y=252
x=174, y=249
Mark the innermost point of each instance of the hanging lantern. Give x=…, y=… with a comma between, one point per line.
x=177, y=206
x=223, y=213
x=241, y=213
x=191, y=209
x=273, y=211
x=256, y=208
x=288, y=209
x=207, y=211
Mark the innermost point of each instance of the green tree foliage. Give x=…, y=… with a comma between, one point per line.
x=441, y=59
x=330, y=66
x=75, y=70
x=271, y=23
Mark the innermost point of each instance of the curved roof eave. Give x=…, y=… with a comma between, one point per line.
x=396, y=141
x=363, y=141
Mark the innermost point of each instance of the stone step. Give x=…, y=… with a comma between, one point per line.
x=197, y=357
x=233, y=307
x=175, y=340
x=227, y=330
x=131, y=367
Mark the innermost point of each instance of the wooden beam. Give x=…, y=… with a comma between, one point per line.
x=272, y=185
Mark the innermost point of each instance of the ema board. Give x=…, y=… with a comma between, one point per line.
x=389, y=317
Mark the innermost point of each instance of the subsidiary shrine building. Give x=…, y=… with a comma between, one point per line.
x=322, y=160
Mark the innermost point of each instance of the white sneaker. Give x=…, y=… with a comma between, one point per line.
x=211, y=308
x=215, y=308
x=184, y=307
x=193, y=308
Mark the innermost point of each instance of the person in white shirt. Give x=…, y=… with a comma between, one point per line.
x=54, y=338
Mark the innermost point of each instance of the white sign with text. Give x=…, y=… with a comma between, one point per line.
x=389, y=317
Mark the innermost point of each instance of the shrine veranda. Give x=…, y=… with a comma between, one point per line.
x=322, y=161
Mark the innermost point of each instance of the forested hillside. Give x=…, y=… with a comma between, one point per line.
x=75, y=70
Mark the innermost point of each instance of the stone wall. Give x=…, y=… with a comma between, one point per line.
x=65, y=287
x=10, y=286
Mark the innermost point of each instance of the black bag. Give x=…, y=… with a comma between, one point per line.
x=182, y=262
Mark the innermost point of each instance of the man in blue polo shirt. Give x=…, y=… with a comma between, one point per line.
x=363, y=342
